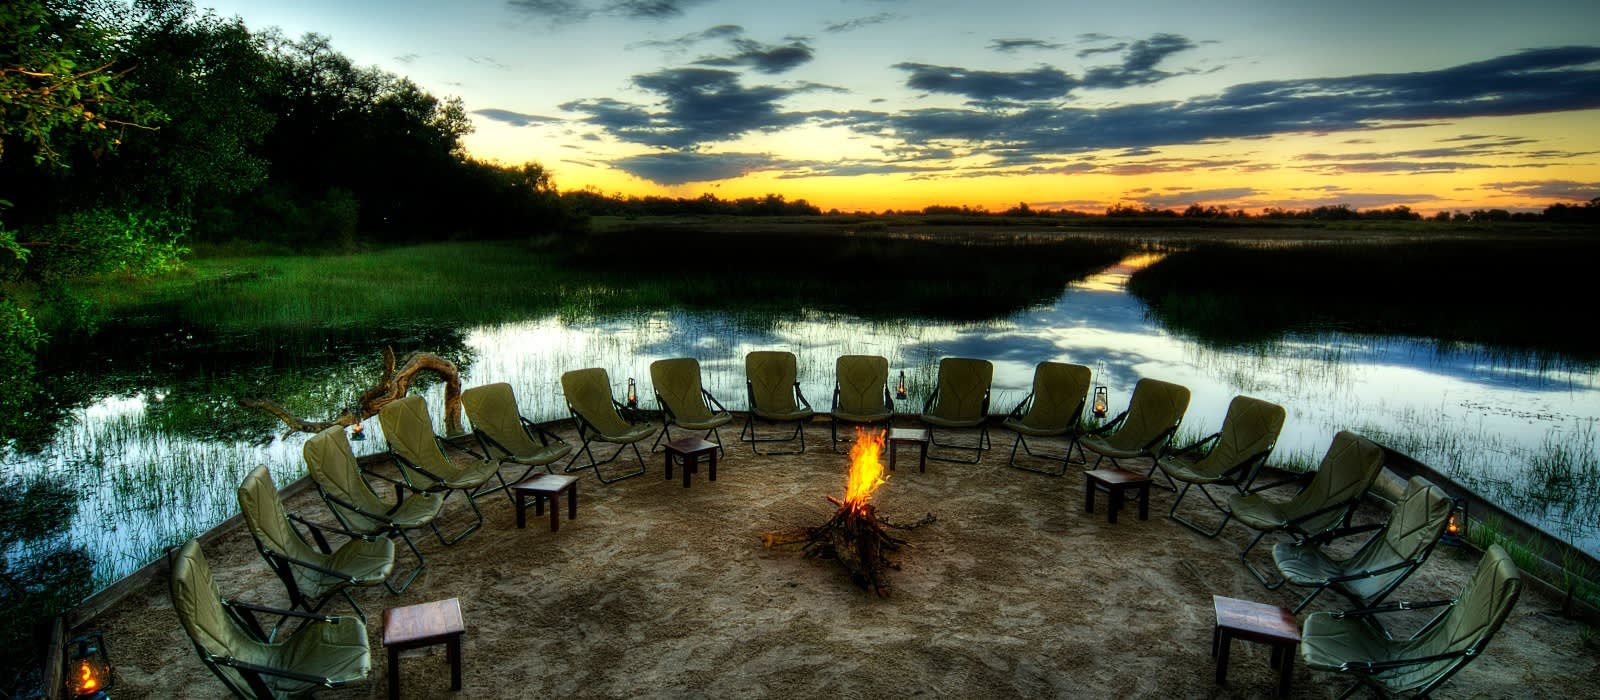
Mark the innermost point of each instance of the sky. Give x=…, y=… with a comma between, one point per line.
x=869, y=105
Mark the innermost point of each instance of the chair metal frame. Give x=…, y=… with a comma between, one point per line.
x=244, y=616
x=803, y=413
x=1016, y=421
x=410, y=462
x=385, y=522
x=1240, y=474
x=547, y=441
x=719, y=415
x=839, y=384
x=981, y=422
x=588, y=432
x=284, y=565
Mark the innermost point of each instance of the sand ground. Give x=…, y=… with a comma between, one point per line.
x=660, y=591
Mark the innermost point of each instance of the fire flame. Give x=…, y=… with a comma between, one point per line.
x=87, y=683
x=866, y=472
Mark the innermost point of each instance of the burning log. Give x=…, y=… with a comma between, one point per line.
x=855, y=536
x=392, y=386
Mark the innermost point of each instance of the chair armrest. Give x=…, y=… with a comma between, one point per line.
x=231, y=662
x=318, y=528
x=801, y=396
x=1016, y=413
x=335, y=573
x=245, y=614
x=1110, y=425
x=712, y=400
x=1199, y=446
x=1367, y=573
x=1322, y=538
x=1393, y=607
x=1303, y=477
x=534, y=430
x=1386, y=664
x=446, y=444
x=407, y=466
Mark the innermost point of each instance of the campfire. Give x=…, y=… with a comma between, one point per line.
x=855, y=536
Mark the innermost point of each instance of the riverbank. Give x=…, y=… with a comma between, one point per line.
x=657, y=590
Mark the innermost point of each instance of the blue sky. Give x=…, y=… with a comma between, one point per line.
x=895, y=104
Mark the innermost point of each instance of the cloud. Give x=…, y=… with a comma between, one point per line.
x=1012, y=45
x=515, y=118
x=764, y=58
x=859, y=23
x=699, y=105
x=1401, y=166
x=721, y=31
x=1185, y=198
x=1041, y=83
x=1138, y=67
x=572, y=11
x=680, y=168
x=1528, y=82
x=1570, y=190
x=1138, y=63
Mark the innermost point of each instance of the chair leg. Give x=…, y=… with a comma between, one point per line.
x=353, y=605
x=977, y=455
x=665, y=434
x=463, y=534
x=1173, y=513
x=628, y=475
x=799, y=432
x=409, y=578
x=1066, y=459
x=1244, y=556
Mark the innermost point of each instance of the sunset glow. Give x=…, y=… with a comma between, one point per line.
x=890, y=104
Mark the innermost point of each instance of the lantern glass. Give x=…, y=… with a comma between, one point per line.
x=88, y=667
x=1102, y=401
x=900, y=389
x=1455, y=529
x=633, y=394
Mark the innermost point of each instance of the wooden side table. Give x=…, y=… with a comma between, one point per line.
x=1255, y=622
x=423, y=625
x=1116, y=482
x=688, y=451
x=910, y=436
x=546, y=486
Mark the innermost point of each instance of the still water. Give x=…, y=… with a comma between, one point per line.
x=1476, y=415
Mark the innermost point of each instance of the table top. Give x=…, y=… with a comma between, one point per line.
x=545, y=483
x=909, y=435
x=1117, y=476
x=691, y=445
x=422, y=622
x=1256, y=619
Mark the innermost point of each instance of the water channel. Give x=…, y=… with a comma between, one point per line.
x=1474, y=414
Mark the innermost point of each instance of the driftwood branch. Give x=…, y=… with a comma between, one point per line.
x=393, y=385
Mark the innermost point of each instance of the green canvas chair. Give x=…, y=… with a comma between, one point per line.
x=344, y=488
x=311, y=574
x=419, y=452
x=323, y=652
x=504, y=435
x=1398, y=547
x=1154, y=413
x=1230, y=457
x=1325, y=504
x=1351, y=642
x=772, y=387
x=600, y=418
x=685, y=402
x=960, y=399
x=860, y=393
x=1053, y=409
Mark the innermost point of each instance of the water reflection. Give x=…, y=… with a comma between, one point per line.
x=1475, y=414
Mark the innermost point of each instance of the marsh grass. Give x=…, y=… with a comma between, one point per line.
x=1508, y=294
